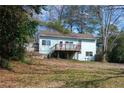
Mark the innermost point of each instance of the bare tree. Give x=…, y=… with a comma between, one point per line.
x=107, y=16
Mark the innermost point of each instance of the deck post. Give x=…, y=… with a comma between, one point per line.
x=67, y=55
x=77, y=55
x=57, y=54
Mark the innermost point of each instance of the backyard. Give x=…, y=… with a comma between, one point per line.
x=62, y=73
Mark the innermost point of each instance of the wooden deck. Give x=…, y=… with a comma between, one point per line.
x=67, y=47
x=65, y=50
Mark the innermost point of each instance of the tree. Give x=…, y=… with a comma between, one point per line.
x=76, y=17
x=70, y=17
x=54, y=25
x=117, y=53
x=107, y=16
x=15, y=28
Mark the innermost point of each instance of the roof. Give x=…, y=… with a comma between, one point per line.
x=70, y=35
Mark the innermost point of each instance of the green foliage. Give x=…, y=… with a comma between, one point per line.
x=15, y=29
x=5, y=64
x=17, y=53
x=113, y=28
x=76, y=16
x=117, y=53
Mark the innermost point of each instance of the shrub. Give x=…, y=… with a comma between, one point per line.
x=117, y=53
x=4, y=63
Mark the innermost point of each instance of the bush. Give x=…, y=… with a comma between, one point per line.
x=117, y=53
x=4, y=63
x=17, y=53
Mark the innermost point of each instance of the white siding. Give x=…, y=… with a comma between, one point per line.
x=46, y=49
x=87, y=46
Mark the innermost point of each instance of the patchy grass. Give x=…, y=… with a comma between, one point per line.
x=62, y=73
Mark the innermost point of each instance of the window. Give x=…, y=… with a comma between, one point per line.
x=66, y=42
x=69, y=42
x=89, y=53
x=43, y=42
x=61, y=42
x=46, y=42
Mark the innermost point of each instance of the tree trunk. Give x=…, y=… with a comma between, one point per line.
x=105, y=45
x=104, y=57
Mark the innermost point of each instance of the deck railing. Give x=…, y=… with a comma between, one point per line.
x=67, y=47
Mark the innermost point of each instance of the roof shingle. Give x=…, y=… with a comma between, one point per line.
x=70, y=35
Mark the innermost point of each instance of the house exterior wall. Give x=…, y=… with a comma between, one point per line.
x=46, y=49
x=86, y=46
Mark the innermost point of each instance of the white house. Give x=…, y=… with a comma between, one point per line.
x=71, y=46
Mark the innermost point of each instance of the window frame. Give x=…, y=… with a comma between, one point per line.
x=46, y=42
x=89, y=53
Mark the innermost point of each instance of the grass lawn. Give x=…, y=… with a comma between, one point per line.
x=63, y=73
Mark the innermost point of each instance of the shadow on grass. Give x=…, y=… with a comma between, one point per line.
x=89, y=84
